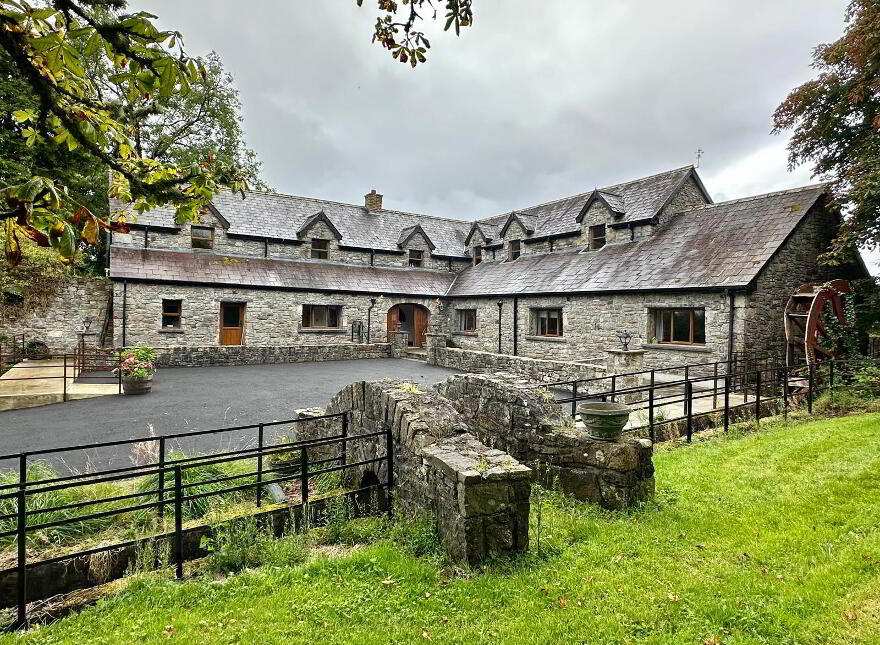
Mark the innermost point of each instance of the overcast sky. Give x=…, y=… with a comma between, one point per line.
x=538, y=100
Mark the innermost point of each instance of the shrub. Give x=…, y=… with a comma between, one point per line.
x=867, y=380
x=36, y=349
x=138, y=363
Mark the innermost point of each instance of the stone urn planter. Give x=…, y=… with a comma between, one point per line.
x=132, y=385
x=604, y=421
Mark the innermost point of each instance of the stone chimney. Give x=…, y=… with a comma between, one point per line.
x=373, y=201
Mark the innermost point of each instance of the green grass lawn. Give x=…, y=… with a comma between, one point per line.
x=769, y=537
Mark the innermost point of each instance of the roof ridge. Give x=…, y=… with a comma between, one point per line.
x=601, y=190
x=237, y=256
x=772, y=193
x=338, y=203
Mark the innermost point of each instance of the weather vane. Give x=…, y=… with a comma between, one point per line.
x=700, y=153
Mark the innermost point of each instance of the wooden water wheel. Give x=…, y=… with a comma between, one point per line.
x=805, y=334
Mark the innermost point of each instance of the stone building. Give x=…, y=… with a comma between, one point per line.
x=690, y=279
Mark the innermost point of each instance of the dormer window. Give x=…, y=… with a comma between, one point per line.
x=478, y=255
x=513, y=249
x=320, y=249
x=202, y=237
x=416, y=258
x=597, y=237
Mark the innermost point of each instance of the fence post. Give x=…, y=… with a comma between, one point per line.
x=389, y=451
x=304, y=480
x=574, y=396
x=259, y=465
x=161, y=477
x=651, y=412
x=64, y=396
x=831, y=380
x=119, y=373
x=810, y=389
x=715, y=386
x=21, y=539
x=727, y=378
x=688, y=393
x=344, y=458
x=613, y=388
x=178, y=522
x=785, y=391
x=758, y=396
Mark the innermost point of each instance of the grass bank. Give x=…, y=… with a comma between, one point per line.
x=767, y=537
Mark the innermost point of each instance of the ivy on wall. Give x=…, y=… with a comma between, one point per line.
x=34, y=282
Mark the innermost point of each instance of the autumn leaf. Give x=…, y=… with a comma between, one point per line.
x=90, y=230
x=388, y=581
x=850, y=615
x=712, y=640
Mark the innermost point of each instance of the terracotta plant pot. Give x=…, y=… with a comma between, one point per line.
x=137, y=385
x=604, y=421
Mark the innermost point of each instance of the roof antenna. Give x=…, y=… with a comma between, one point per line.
x=700, y=152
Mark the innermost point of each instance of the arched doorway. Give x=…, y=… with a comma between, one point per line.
x=410, y=318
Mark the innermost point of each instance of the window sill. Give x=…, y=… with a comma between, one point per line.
x=169, y=330
x=699, y=349
x=326, y=330
x=465, y=333
x=548, y=339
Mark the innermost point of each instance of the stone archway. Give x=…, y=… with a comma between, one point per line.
x=411, y=318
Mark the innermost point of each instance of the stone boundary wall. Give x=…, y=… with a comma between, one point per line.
x=56, y=323
x=536, y=370
x=479, y=495
x=510, y=414
x=246, y=355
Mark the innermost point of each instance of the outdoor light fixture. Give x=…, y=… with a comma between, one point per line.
x=624, y=337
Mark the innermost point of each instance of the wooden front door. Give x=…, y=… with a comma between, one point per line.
x=420, y=326
x=393, y=320
x=231, y=323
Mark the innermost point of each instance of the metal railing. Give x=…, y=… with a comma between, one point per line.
x=82, y=365
x=765, y=381
x=174, y=468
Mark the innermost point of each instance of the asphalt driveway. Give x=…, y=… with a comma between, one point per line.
x=189, y=399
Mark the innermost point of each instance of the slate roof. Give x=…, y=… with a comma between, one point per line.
x=488, y=231
x=208, y=268
x=713, y=246
x=407, y=234
x=281, y=216
x=639, y=199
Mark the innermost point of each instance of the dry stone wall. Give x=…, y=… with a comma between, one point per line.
x=57, y=322
x=535, y=370
x=244, y=355
x=512, y=415
x=479, y=495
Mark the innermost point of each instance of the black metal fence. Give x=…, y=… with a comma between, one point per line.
x=172, y=468
x=726, y=387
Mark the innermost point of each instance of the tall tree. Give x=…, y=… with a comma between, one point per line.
x=836, y=122
x=48, y=44
x=204, y=123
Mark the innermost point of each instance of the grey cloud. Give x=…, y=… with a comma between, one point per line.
x=536, y=101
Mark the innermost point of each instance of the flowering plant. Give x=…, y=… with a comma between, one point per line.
x=137, y=363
